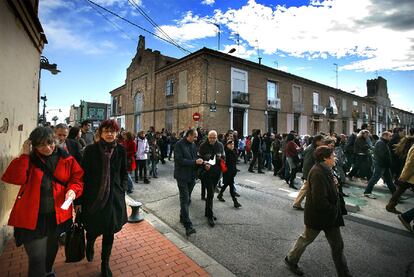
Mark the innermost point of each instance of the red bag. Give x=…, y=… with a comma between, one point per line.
x=223, y=166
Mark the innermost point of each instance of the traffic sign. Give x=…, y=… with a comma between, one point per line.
x=196, y=116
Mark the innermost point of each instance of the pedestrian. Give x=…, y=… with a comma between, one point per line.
x=323, y=212
x=173, y=141
x=382, y=166
x=47, y=176
x=103, y=202
x=405, y=151
x=75, y=134
x=211, y=152
x=267, y=142
x=87, y=134
x=141, y=156
x=131, y=148
x=276, y=154
x=396, y=162
x=228, y=176
x=186, y=164
x=155, y=155
x=256, y=148
x=362, y=163
x=292, y=158
x=308, y=162
x=69, y=145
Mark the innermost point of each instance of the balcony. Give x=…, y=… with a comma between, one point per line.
x=365, y=117
x=274, y=103
x=318, y=109
x=298, y=107
x=239, y=97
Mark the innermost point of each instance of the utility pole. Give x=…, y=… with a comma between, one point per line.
x=218, y=35
x=336, y=71
x=44, y=109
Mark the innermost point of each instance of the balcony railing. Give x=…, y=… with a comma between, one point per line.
x=239, y=97
x=298, y=107
x=274, y=103
x=318, y=109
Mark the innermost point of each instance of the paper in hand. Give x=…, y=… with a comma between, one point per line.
x=67, y=203
x=212, y=161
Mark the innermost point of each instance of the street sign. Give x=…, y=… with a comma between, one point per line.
x=196, y=116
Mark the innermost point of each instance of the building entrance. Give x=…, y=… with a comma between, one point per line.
x=238, y=120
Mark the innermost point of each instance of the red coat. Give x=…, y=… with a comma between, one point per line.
x=24, y=174
x=131, y=149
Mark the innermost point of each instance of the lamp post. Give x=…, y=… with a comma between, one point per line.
x=44, y=64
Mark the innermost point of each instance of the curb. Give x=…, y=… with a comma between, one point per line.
x=210, y=265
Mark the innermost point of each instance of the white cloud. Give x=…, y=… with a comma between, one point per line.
x=208, y=2
x=322, y=29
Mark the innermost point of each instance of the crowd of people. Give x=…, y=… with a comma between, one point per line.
x=96, y=170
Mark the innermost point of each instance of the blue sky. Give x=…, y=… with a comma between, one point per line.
x=366, y=38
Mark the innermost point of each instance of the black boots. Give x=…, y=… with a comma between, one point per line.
x=236, y=203
x=105, y=255
x=220, y=197
x=89, y=250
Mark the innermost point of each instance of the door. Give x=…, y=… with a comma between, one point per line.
x=238, y=117
x=272, y=122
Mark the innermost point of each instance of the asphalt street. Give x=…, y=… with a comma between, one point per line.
x=253, y=240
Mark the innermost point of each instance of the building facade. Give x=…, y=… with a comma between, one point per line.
x=21, y=44
x=94, y=112
x=233, y=93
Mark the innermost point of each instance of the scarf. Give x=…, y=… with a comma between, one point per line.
x=106, y=150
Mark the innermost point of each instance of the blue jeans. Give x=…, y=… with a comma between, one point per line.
x=408, y=215
x=130, y=183
x=380, y=172
x=268, y=160
x=154, y=169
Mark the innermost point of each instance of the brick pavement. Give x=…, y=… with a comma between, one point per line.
x=139, y=250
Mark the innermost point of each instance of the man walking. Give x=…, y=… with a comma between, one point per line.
x=211, y=150
x=87, y=134
x=257, y=152
x=382, y=165
x=70, y=145
x=185, y=165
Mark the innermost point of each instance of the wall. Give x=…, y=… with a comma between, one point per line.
x=19, y=69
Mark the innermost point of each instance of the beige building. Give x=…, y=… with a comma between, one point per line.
x=22, y=41
x=233, y=93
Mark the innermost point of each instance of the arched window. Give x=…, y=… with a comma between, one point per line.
x=138, y=101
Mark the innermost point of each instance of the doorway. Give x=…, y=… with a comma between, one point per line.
x=272, y=122
x=238, y=120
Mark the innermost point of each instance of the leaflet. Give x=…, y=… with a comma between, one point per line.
x=67, y=203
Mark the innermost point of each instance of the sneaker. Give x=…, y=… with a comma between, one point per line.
x=392, y=209
x=405, y=223
x=189, y=231
x=294, y=268
x=299, y=208
x=370, y=196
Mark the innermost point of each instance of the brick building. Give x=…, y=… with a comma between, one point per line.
x=233, y=93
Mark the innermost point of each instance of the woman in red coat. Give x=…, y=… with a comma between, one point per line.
x=131, y=149
x=47, y=176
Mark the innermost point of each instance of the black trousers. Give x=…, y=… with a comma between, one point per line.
x=228, y=182
x=185, y=188
x=210, y=183
x=107, y=242
x=42, y=253
x=257, y=157
x=141, y=167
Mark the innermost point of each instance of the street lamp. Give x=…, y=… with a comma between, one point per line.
x=232, y=50
x=44, y=64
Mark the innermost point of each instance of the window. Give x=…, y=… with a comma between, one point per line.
x=169, y=90
x=316, y=98
x=271, y=90
x=332, y=104
x=364, y=108
x=138, y=103
x=344, y=104
x=296, y=120
x=239, y=80
x=355, y=103
x=296, y=95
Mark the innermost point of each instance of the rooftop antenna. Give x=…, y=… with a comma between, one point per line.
x=376, y=74
x=258, y=52
x=218, y=35
x=276, y=63
x=238, y=42
x=336, y=71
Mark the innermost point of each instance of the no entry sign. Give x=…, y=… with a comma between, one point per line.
x=196, y=116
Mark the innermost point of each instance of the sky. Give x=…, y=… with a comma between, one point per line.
x=358, y=39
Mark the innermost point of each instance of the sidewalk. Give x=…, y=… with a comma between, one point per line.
x=139, y=250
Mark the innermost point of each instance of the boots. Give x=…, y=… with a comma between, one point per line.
x=105, y=255
x=220, y=197
x=89, y=250
x=236, y=203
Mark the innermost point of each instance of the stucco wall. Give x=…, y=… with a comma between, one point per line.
x=19, y=69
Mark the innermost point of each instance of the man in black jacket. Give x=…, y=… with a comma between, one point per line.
x=382, y=165
x=257, y=152
x=211, y=150
x=70, y=145
x=185, y=166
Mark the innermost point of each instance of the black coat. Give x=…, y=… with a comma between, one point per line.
x=185, y=155
x=231, y=160
x=74, y=148
x=382, y=154
x=113, y=215
x=323, y=207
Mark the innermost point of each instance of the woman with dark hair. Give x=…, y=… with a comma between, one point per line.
x=323, y=212
x=292, y=158
x=47, y=176
x=131, y=149
x=362, y=163
x=75, y=133
x=103, y=201
x=228, y=176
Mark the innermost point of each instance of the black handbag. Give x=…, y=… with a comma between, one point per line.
x=75, y=241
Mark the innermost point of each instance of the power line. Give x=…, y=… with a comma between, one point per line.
x=152, y=22
x=111, y=22
x=136, y=25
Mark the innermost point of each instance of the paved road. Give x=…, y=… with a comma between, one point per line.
x=253, y=240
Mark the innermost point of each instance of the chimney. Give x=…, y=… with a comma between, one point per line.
x=141, y=44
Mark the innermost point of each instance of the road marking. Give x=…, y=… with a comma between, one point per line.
x=286, y=190
x=254, y=182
